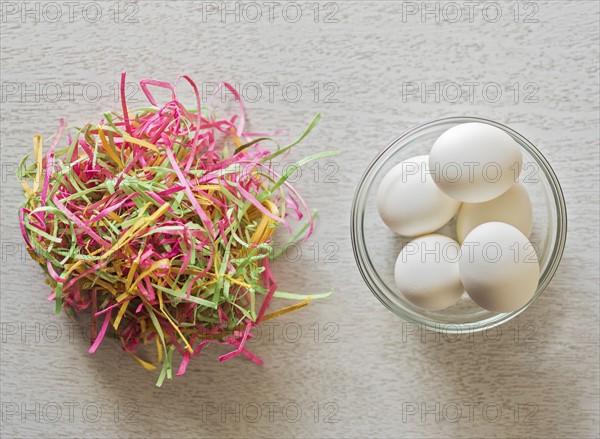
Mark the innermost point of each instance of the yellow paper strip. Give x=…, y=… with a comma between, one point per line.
x=176, y=327
x=112, y=154
x=140, y=142
x=145, y=364
x=288, y=309
x=120, y=314
x=37, y=151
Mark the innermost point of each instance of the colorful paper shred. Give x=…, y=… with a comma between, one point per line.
x=159, y=221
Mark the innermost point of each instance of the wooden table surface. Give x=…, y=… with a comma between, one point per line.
x=344, y=366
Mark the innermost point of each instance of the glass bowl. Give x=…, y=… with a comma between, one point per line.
x=376, y=248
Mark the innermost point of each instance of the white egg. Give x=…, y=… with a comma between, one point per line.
x=512, y=207
x=426, y=272
x=499, y=267
x=475, y=162
x=410, y=203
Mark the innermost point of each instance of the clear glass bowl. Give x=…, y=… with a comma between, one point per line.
x=376, y=247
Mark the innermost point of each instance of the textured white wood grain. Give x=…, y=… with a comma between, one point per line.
x=363, y=363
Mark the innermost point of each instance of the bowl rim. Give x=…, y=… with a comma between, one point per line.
x=359, y=245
